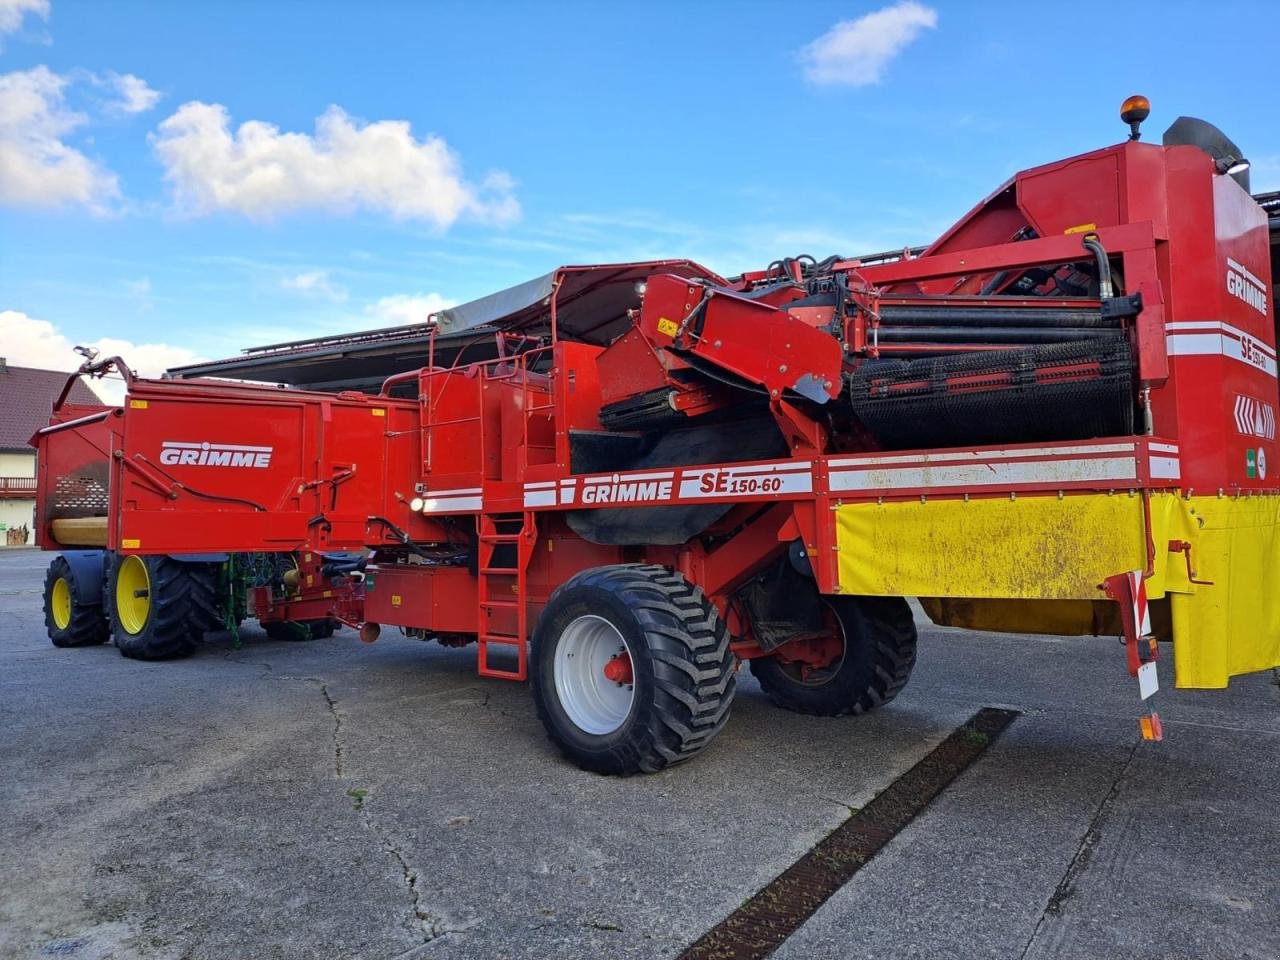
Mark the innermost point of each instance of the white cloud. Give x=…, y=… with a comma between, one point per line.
x=135, y=96
x=29, y=342
x=262, y=172
x=12, y=12
x=403, y=308
x=315, y=283
x=36, y=167
x=856, y=52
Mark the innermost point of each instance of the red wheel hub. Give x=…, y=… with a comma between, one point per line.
x=619, y=669
x=812, y=652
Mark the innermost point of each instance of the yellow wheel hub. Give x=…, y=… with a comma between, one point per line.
x=60, y=603
x=133, y=594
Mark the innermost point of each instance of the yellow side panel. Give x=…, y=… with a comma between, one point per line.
x=1233, y=626
x=1032, y=547
x=1050, y=549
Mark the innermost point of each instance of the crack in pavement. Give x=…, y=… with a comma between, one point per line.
x=430, y=926
x=1084, y=852
x=333, y=711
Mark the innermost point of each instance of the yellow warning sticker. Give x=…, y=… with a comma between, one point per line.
x=130, y=544
x=137, y=404
x=379, y=411
x=395, y=599
x=1081, y=228
x=669, y=327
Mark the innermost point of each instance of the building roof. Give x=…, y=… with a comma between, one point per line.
x=26, y=400
x=586, y=296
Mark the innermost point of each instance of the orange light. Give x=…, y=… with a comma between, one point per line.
x=1135, y=109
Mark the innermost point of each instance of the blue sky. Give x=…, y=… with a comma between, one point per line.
x=475, y=145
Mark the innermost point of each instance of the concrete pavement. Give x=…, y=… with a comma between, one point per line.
x=331, y=799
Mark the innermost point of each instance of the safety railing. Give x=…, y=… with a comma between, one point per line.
x=515, y=366
x=24, y=487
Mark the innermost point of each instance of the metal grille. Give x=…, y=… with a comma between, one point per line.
x=1067, y=391
x=79, y=496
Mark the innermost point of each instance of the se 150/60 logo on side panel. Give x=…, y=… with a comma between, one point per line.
x=205, y=454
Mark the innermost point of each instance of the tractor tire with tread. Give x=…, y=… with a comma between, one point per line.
x=879, y=654
x=69, y=621
x=682, y=666
x=299, y=631
x=182, y=605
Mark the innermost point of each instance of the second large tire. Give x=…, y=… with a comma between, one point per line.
x=69, y=619
x=161, y=606
x=879, y=653
x=682, y=669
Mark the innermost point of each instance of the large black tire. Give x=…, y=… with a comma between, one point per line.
x=298, y=631
x=683, y=667
x=68, y=619
x=182, y=605
x=879, y=652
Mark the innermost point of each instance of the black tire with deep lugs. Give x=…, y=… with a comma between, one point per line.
x=682, y=664
x=297, y=631
x=85, y=625
x=879, y=653
x=183, y=604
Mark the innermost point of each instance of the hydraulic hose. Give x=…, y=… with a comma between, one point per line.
x=1105, y=288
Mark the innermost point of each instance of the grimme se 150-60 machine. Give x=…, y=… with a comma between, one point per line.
x=1057, y=418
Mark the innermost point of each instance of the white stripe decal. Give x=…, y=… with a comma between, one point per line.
x=182, y=445
x=1217, y=326
x=974, y=456
x=439, y=504
x=1165, y=468
x=1218, y=344
x=987, y=474
x=1163, y=447
x=622, y=477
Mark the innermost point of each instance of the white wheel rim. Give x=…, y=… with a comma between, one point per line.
x=594, y=703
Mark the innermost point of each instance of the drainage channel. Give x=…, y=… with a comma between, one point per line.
x=760, y=925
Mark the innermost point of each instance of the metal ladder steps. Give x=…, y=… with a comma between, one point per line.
x=496, y=536
x=505, y=640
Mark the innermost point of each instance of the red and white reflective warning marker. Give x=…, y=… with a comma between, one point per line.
x=1129, y=590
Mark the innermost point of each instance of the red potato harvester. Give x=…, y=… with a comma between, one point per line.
x=1059, y=418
